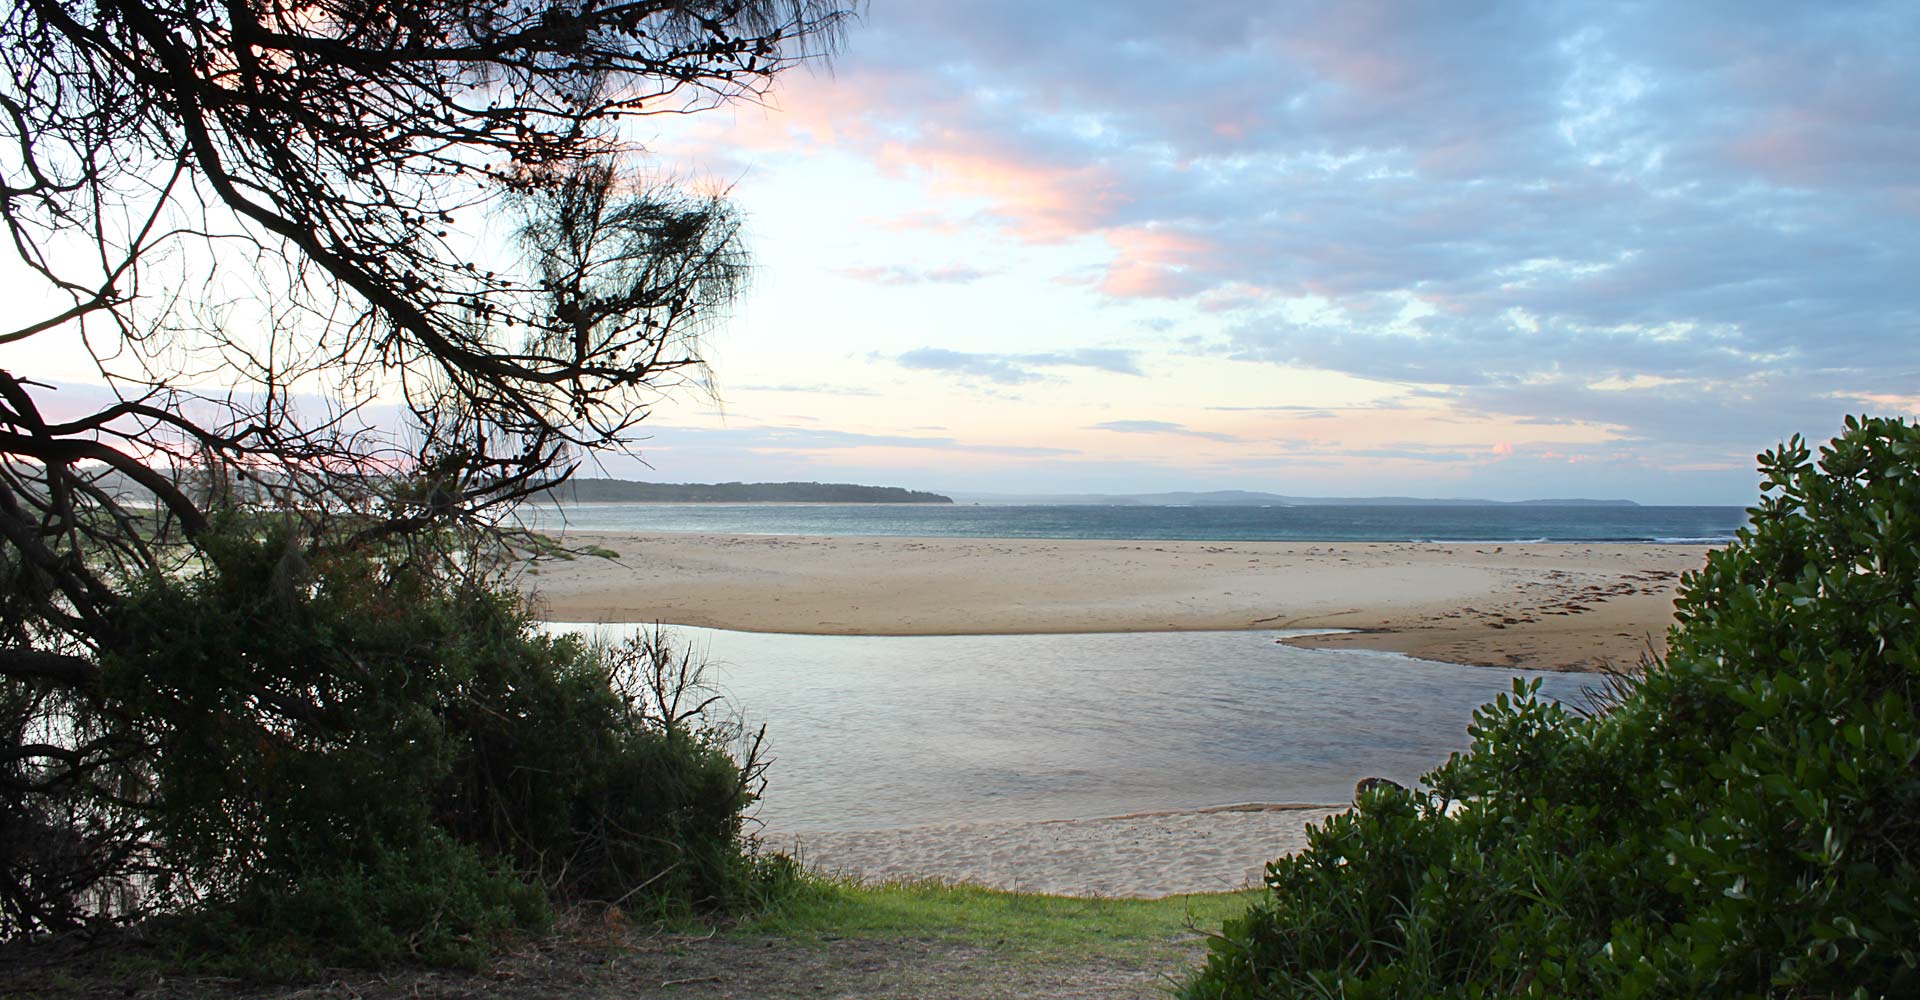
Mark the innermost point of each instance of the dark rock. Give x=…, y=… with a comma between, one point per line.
x=1365, y=785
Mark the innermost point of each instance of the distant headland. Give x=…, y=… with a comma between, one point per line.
x=628, y=491
x=1246, y=498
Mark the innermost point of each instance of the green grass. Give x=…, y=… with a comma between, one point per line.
x=1040, y=928
x=938, y=932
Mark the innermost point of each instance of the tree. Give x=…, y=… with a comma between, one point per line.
x=166, y=161
x=254, y=220
x=1739, y=823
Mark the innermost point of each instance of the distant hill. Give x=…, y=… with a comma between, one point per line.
x=1245, y=498
x=627, y=491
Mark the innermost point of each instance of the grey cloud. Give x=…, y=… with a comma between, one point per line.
x=1112, y=360
x=1734, y=419
x=1418, y=454
x=1015, y=369
x=813, y=438
x=1714, y=192
x=1158, y=427
x=1313, y=411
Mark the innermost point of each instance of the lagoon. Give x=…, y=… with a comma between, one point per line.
x=885, y=732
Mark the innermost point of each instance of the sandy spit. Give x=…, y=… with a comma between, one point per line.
x=1552, y=607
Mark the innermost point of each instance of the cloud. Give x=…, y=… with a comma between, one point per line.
x=816, y=388
x=1159, y=427
x=1419, y=453
x=1687, y=229
x=1313, y=412
x=1154, y=262
x=1682, y=422
x=897, y=276
x=1484, y=199
x=1016, y=369
x=807, y=439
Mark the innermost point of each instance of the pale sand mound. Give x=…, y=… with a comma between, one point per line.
x=1149, y=854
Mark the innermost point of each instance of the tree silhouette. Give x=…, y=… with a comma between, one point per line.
x=248, y=216
x=254, y=221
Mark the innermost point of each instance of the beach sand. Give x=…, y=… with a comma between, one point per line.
x=1545, y=607
x=1149, y=854
x=1551, y=607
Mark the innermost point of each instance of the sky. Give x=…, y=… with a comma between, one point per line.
x=1502, y=251
x=1476, y=250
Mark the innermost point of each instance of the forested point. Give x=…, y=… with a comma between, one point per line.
x=628, y=491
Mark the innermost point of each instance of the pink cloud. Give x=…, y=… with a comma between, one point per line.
x=1828, y=121
x=1804, y=147
x=916, y=126
x=1351, y=45
x=805, y=113
x=1154, y=262
x=1238, y=295
x=810, y=110
x=1785, y=145
x=1237, y=126
x=901, y=123
x=1038, y=202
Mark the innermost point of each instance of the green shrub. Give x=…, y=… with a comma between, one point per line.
x=437, y=902
x=1743, y=823
x=362, y=763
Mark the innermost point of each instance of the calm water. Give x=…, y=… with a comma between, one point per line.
x=877, y=732
x=1690, y=525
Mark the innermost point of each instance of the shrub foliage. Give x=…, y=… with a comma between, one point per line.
x=370, y=762
x=1745, y=822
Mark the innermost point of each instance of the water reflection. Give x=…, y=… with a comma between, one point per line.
x=875, y=732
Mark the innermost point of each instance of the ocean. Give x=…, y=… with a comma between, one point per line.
x=1509, y=524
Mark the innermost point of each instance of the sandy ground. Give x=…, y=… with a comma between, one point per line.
x=1553, y=607
x=1550, y=607
x=1149, y=854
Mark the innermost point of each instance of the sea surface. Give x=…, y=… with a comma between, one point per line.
x=1675, y=525
x=884, y=732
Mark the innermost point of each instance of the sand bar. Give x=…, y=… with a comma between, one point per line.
x=1538, y=606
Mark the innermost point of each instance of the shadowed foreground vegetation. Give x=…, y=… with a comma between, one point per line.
x=821, y=938
x=1744, y=821
x=256, y=690
x=357, y=761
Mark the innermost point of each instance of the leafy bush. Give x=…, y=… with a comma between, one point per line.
x=362, y=763
x=1745, y=822
x=437, y=901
